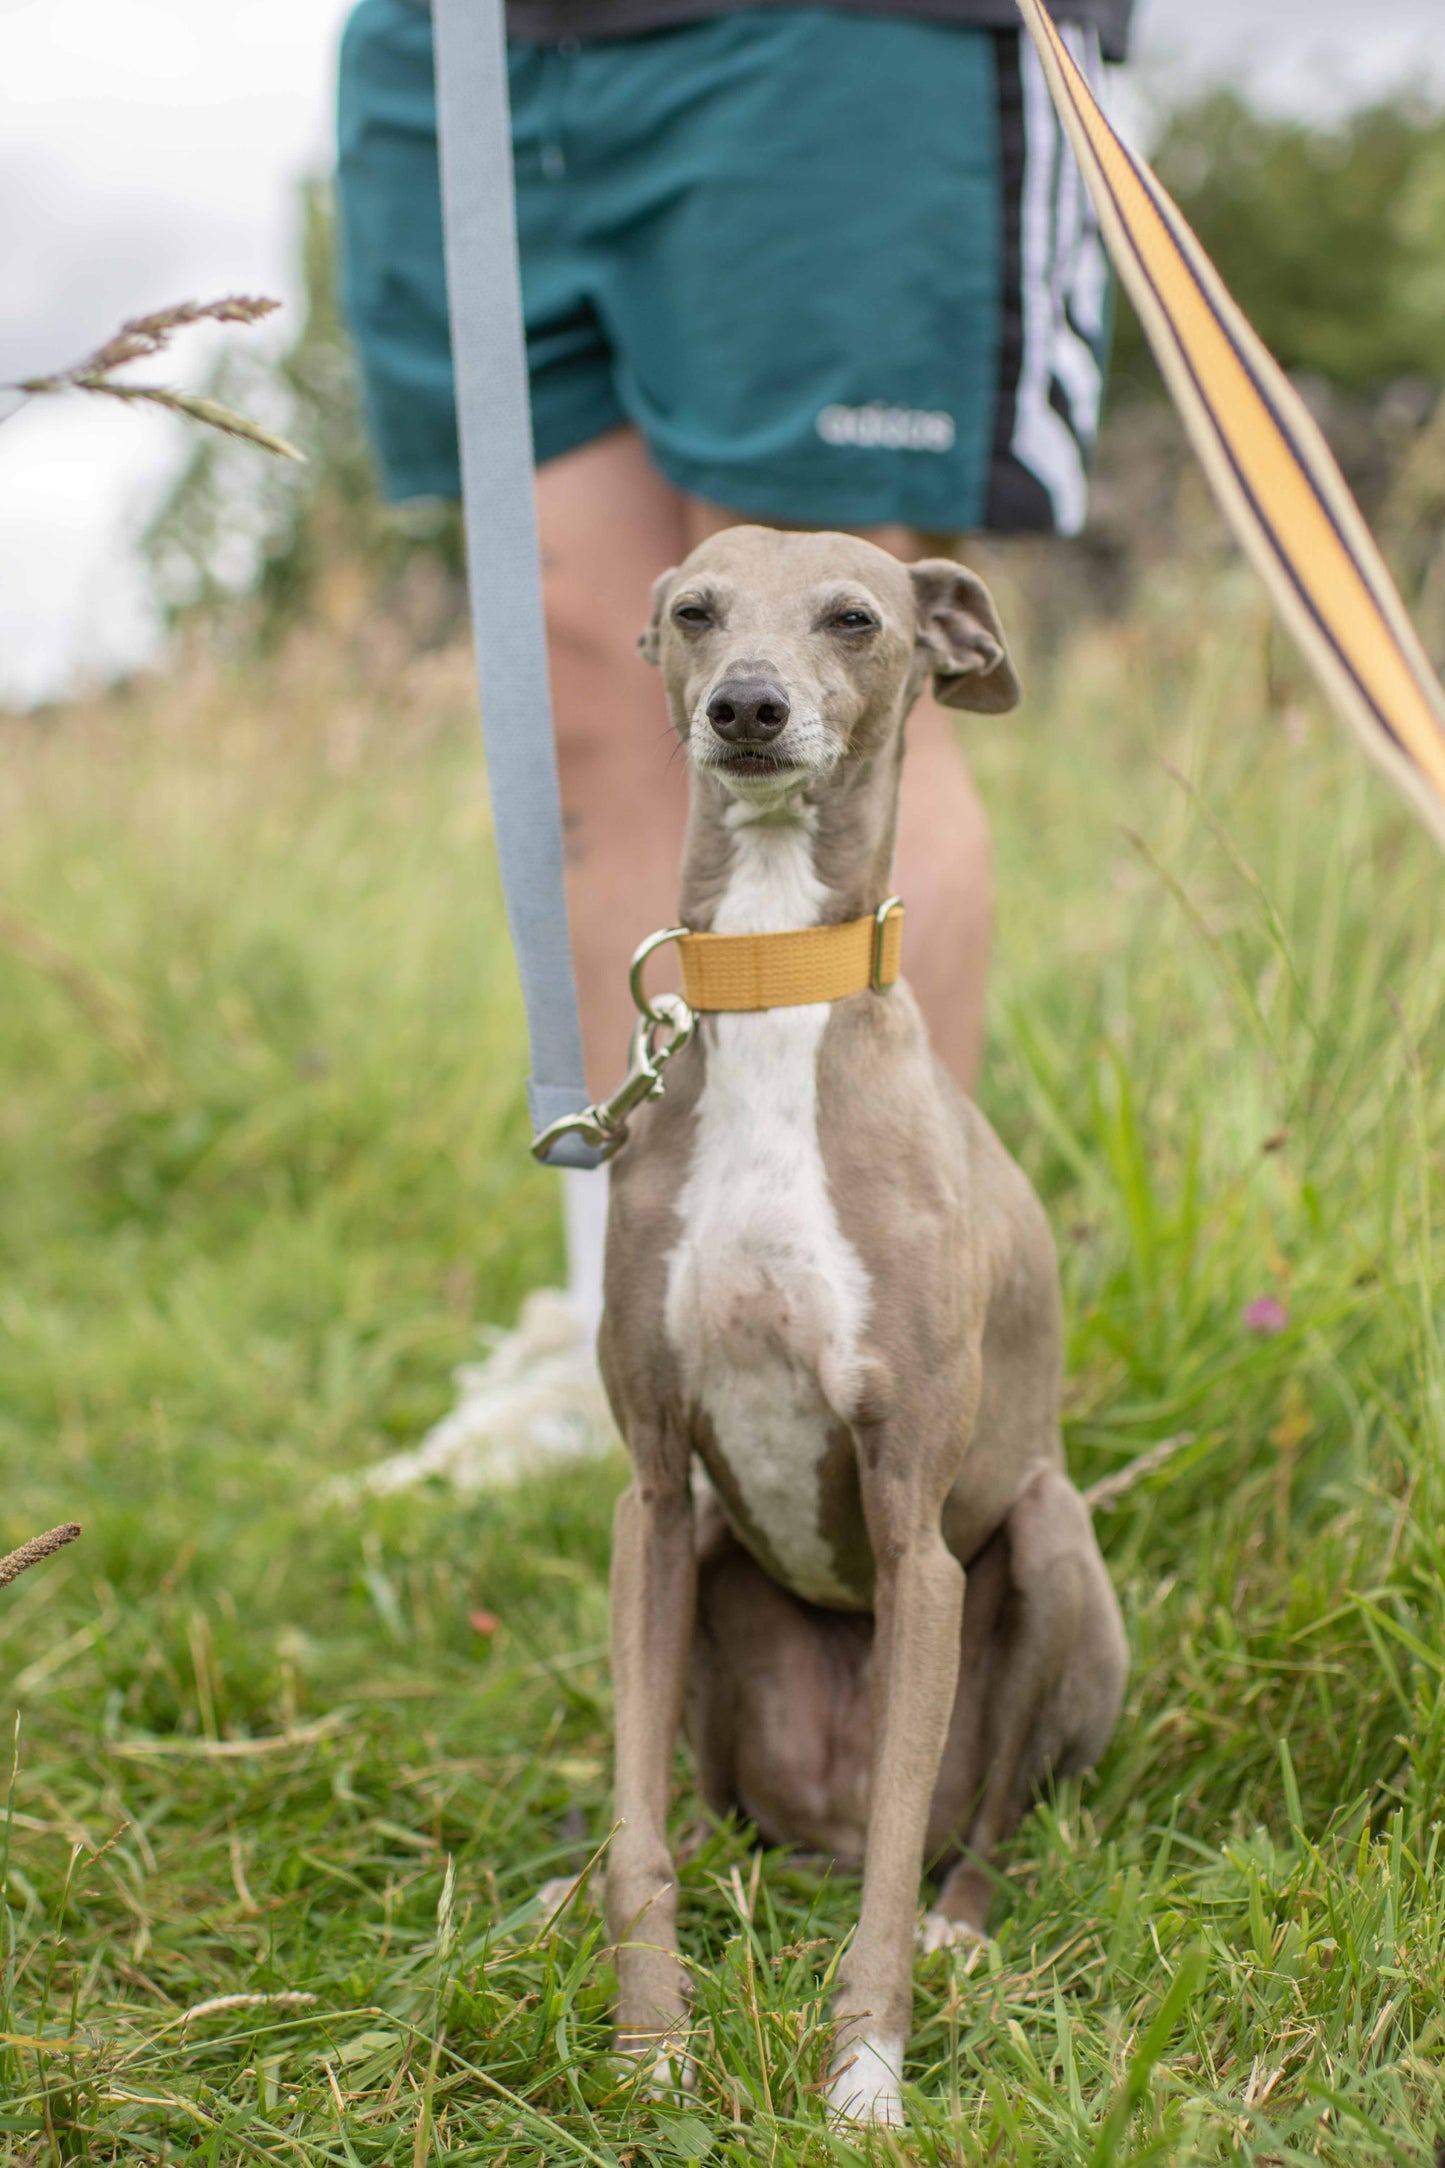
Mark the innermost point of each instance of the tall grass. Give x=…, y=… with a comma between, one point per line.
x=264, y=1176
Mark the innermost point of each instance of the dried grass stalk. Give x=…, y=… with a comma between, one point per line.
x=287, y=1999
x=1103, y=1496
x=144, y=336
x=31, y=1553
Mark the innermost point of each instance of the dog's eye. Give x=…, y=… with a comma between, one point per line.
x=855, y=621
x=691, y=613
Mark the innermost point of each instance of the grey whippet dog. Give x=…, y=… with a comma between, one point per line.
x=880, y=1612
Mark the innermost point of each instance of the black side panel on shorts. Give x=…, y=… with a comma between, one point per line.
x=1017, y=501
x=1054, y=306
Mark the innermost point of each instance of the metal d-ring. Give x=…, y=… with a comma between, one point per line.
x=640, y=956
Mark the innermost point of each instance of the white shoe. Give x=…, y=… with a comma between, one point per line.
x=537, y=1399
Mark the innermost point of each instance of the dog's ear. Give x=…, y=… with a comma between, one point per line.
x=959, y=631
x=649, y=639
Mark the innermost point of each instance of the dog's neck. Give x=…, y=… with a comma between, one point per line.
x=837, y=832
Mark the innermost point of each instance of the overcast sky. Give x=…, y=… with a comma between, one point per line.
x=148, y=153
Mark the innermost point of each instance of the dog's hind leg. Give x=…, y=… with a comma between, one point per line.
x=1052, y=1686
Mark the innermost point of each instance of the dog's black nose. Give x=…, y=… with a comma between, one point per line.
x=748, y=711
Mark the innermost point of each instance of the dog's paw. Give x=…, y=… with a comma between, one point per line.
x=555, y=1896
x=864, y=2086
x=936, y=1931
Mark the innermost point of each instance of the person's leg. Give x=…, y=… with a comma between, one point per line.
x=609, y=525
x=945, y=877
x=944, y=865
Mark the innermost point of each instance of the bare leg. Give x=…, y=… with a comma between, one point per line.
x=609, y=525
x=945, y=856
x=945, y=876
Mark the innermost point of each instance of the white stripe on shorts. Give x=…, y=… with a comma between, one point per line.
x=1064, y=281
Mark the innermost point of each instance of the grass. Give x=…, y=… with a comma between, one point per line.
x=264, y=1175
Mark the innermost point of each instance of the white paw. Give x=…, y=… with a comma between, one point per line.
x=668, y=2071
x=864, y=2087
x=555, y=1896
x=672, y=2074
x=937, y=1932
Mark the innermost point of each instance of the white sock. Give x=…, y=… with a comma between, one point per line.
x=584, y=1211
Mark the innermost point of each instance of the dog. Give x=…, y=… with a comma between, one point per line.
x=850, y=1563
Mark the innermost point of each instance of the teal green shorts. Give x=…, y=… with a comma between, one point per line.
x=832, y=266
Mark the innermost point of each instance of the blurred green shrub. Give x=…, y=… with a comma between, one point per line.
x=1331, y=239
x=250, y=545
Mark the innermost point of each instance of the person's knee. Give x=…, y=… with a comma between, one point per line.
x=583, y=627
x=599, y=682
x=622, y=781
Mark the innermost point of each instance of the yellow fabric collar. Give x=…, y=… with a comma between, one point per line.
x=739, y=971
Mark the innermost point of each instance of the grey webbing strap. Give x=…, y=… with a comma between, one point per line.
x=494, y=422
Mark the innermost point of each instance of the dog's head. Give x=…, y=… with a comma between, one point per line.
x=784, y=653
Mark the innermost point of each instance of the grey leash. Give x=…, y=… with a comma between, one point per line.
x=494, y=423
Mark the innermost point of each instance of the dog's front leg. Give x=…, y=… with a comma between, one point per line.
x=918, y=1608
x=654, y=1592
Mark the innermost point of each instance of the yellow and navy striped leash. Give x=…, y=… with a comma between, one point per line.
x=1266, y=459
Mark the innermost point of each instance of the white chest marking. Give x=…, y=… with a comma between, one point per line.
x=766, y=1299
